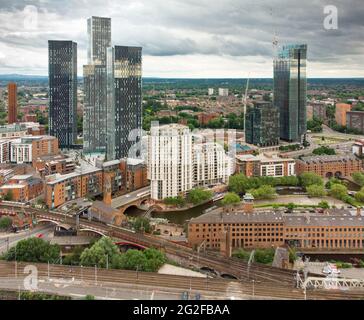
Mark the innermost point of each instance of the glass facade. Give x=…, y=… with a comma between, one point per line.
x=95, y=85
x=290, y=91
x=262, y=124
x=124, y=98
x=62, y=71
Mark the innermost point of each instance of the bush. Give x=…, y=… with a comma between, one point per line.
x=324, y=151
x=316, y=190
x=230, y=198
x=265, y=256
x=197, y=196
x=241, y=254
x=141, y=223
x=5, y=223
x=264, y=192
x=324, y=205
x=175, y=201
x=308, y=178
x=339, y=191
x=358, y=177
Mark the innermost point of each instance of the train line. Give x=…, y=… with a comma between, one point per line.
x=228, y=288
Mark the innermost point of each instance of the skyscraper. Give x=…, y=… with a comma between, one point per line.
x=12, y=103
x=63, y=91
x=95, y=85
x=262, y=124
x=124, y=101
x=290, y=91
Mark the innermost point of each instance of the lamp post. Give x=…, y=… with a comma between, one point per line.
x=95, y=274
x=253, y=288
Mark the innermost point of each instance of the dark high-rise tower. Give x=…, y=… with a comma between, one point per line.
x=262, y=124
x=12, y=103
x=124, y=100
x=94, y=74
x=63, y=91
x=290, y=91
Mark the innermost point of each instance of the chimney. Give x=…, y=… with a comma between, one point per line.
x=248, y=203
x=107, y=189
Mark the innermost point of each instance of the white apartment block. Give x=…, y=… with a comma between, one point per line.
x=5, y=151
x=176, y=163
x=211, y=91
x=170, y=161
x=20, y=152
x=211, y=164
x=223, y=92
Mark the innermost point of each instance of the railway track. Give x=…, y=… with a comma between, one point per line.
x=229, y=288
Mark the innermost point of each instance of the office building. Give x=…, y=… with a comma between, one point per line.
x=95, y=85
x=223, y=92
x=290, y=91
x=63, y=91
x=12, y=103
x=124, y=101
x=262, y=124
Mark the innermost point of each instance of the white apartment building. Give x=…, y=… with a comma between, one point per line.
x=21, y=152
x=211, y=164
x=223, y=92
x=176, y=163
x=170, y=161
x=211, y=91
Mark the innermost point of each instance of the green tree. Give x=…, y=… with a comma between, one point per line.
x=9, y=196
x=141, y=223
x=175, y=201
x=316, y=190
x=359, y=196
x=309, y=178
x=155, y=259
x=333, y=181
x=264, y=256
x=230, y=198
x=5, y=223
x=324, y=205
x=197, y=196
x=34, y=250
x=358, y=177
x=264, y=192
x=291, y=206
x=241, y=254
x=133, y=260
x=101, y=252
x=74, y=259
x=324, y=151
x=339, y=191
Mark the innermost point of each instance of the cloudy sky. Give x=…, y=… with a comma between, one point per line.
x=189, y=38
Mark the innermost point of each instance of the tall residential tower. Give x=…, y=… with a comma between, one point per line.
x=95, y=85
x=290, y=91
x=63, y=91
x=12, y=102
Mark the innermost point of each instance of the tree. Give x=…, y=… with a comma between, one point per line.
x=264, y=256
x=241, y=254
x=230, y=198
x=103, y=251
x=316, y=190
x=358, y=177
x=333, y=181
x=315, y=125
x=324, y=151
x=5, y=223
x=74, y=259
x=264, y=192
x=197, y=196
x=324, y=205
x=175, y=201
x=34, y=250
x=155, y=259
x=133, y=260
x=339, y=191
x=290, y=206
x=359, y=196
x=309, y=178
x=9, y=196
x=142, y=224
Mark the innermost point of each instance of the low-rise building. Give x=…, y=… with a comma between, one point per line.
x=84, y=181
x=265, y=165
x=22, y=188
x=48, y=165
x=5, y=150
x=358, y=148
x=341, y=113
x=29, y=148
x=227, y=229
x=21, y=129
x=329, y=166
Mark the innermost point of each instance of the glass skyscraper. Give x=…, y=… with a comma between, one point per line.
x=124, y=101
x=290, y=91
x=95, y=85
x=62, y=71
x=262, y=124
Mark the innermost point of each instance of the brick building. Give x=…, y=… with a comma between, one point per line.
x=329, y=166
x=336, y=229
x=23, y=188
x=12, y=103
x=48, y=165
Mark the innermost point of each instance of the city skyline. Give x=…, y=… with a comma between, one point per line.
x=187, y=40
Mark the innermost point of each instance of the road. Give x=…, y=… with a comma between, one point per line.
x=127, y=198
x=11, y=239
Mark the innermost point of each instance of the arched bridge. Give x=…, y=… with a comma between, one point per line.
x=136, y=198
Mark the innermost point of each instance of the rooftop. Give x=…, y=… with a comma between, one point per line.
x=326, y=158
